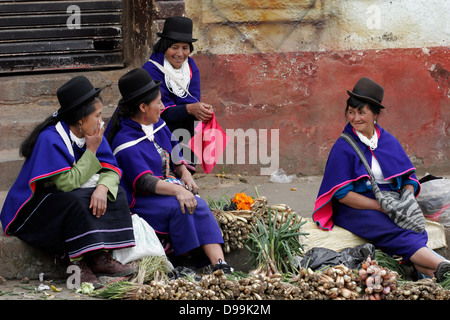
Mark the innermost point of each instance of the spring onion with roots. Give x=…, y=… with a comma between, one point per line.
x=151, y=268
x=119, y=290
x=274, y=245
x=446, y=283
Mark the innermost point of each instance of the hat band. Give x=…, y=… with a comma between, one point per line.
x=140, y=91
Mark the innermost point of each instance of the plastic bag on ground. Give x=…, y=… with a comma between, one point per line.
x=280, y=176
x=147, y=243
x=434, y=200
x=318, y=258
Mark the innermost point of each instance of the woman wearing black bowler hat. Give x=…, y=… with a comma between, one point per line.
x=159, y=187
x=181, y=109
x=67, y=199
x=346, y=197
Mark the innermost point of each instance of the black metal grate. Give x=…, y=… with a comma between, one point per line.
x=51, y=35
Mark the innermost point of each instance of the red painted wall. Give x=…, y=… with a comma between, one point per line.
x=303, y=94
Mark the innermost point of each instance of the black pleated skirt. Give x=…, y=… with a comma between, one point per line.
x=62, y=223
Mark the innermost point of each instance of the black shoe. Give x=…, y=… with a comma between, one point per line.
x=227, y=269
x=441, y=271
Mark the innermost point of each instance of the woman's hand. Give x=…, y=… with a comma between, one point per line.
x=99, y=199
x=93, y=142
x=189, y=182
x=200, y=110
x=186, y=199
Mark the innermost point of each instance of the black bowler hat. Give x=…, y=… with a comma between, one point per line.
x=136, y=84
x=74, y=93
x=369, y=91
x=178, y=29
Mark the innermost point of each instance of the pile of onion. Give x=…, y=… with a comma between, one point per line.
x=376, y=280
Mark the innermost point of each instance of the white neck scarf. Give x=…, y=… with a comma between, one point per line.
x=372, y=143
x=80, y=142
x=148, y=130
x=183, y=75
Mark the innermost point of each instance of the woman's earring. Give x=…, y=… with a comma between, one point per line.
x=375, y=121
x=80, y=128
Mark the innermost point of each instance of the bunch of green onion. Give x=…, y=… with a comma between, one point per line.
x=274, y=248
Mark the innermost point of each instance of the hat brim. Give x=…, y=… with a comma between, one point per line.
x=95, y=92
x=366, y=99
x=177, y=38
x=142, y=92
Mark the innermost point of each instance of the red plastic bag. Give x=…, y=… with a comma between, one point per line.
x=208, y=143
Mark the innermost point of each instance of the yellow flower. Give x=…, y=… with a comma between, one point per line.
x=243, y=201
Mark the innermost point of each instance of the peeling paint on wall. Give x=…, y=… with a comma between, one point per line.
x=249, y=26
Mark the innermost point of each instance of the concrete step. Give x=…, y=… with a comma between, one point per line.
x=17, y=121
x=19, y=260
x=10, y=165
x=41, y=89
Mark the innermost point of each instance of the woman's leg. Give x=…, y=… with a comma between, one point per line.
x=214, y=252
x=425, y=261
x=187, y=231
